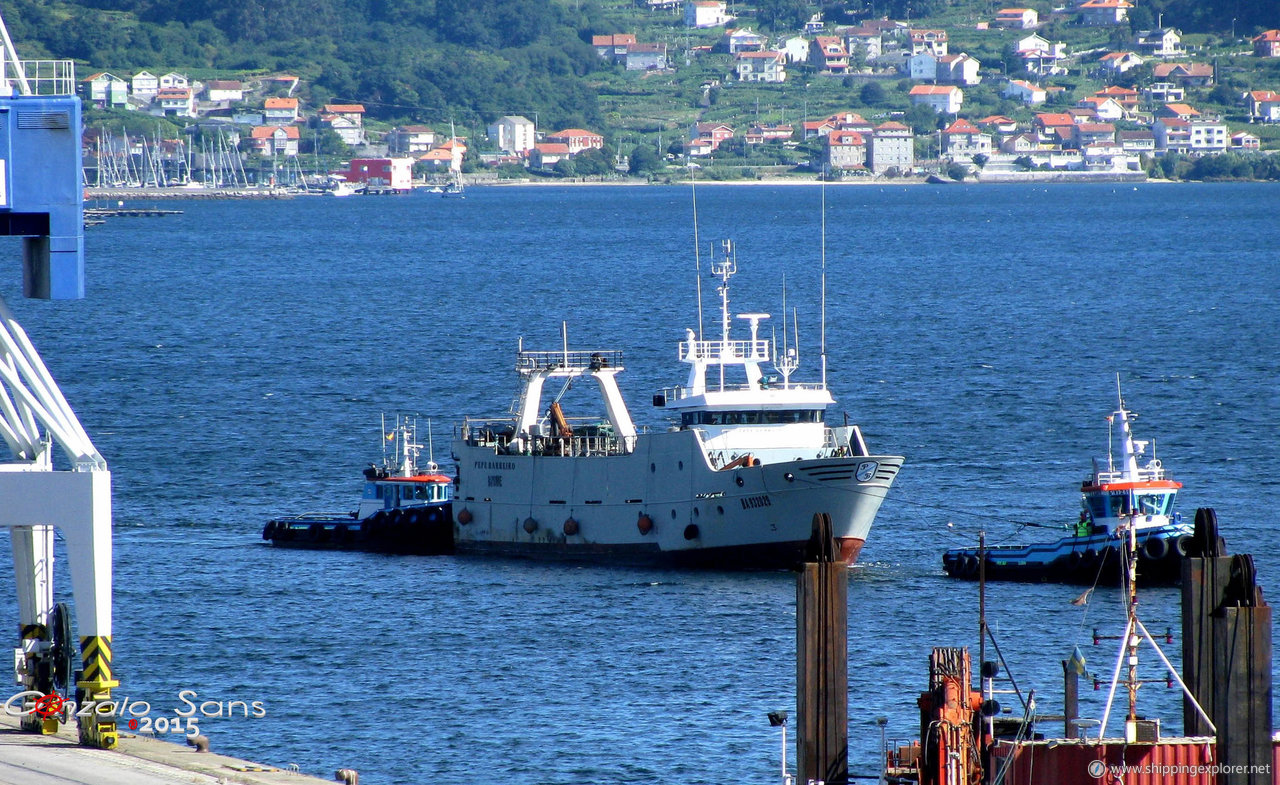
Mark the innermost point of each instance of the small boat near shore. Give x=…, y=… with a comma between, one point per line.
x=402, y=509
x=1117, y=496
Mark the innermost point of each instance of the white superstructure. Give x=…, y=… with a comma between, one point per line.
x=735, y=482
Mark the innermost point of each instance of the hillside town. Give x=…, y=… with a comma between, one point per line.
x=1119, y=129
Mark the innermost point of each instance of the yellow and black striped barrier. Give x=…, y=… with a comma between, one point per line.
x=97, y=730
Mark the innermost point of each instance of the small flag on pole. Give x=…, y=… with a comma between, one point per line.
x=1076, y=663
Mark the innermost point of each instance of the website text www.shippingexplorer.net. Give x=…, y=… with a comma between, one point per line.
x=1101, y=770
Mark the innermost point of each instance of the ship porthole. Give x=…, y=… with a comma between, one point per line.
x=653, y=467
x=720, y=509
x=696, y=512
x=741, y=482
x=691, y=531
x=673, y=515
x=789, y=477
x=680, y=465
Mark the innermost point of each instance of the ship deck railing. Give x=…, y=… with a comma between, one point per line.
x=44, y=77
x=1143, y=475
x=499, y=435
x=725, y=351
x=532, y=362
x=680, y=392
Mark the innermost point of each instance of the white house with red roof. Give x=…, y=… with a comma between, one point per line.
x=846, y=150
x=1245, y=141
x=1041, y=56
x=812, y=129
x=760, y=66
x=577, y=140
x=892, y=146
x=962, y=140
x=1017, y=18
x=1264, y=106
x=174, y=102
x=1104, y=107
x=1120, y=62
x=545, y=155
x=1024, y=91
x=274, y=139
x=1173, y=135
x=1104, y=12
x=945, y=99
x=280, y=111
x=934, y=41
x=706, y=13
x=828, y=54
x=1267, y=44
x=1126, y=97
x=742, y=40
x=999, y=123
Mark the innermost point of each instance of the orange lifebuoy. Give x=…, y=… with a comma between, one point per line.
x=464, y=516
x=644, y=524
x=570, y=527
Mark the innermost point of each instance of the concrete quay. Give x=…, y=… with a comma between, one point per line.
x=32, y=759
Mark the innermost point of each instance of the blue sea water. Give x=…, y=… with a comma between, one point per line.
x=232, y=364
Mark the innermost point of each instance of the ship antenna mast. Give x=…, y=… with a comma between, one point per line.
x=824, y=278
x=697, y=249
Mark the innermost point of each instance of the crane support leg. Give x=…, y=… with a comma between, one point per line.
x=33, y=568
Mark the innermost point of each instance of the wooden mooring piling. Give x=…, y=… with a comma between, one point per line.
x=1226, y=655
x=822, y=661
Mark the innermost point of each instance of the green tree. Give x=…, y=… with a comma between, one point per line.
x=873, y=94
x=922, y=118
x=644, y=160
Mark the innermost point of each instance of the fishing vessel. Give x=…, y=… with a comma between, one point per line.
x=403, y=509
x=1133, y=491
x=733, y=480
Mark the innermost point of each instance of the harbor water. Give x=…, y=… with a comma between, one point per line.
x=232, y=364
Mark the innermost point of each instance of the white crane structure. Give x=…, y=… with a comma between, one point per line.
x=43, y=488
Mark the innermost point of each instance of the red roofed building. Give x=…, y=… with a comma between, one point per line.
x=1267, y=44
x=1104, y=12
x=1264, y=105
x=613, y=47
x=272, y=140
x=1017, y=18
x=1185, y=74
x=829, y=54
x=846, y=150
x=892, y=147
x=945, y=99
x=577, y=140
x=1120, y=62
x=709, y=136
x=932, y=41
x=280, y=111
x=962, y=140
x=547, y=154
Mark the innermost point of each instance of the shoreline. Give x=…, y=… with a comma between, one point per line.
x=1021, y=178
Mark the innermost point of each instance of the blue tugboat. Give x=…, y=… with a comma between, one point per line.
x=1126, y=503
x=402, y=509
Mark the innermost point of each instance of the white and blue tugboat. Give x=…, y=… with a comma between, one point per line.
x=1117, y=497
x=402, y=510
x=733, y=480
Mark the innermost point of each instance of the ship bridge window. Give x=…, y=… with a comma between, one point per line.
x=752, y=417
x=1098, y=507
x=1119, y=504
x=1154, y=503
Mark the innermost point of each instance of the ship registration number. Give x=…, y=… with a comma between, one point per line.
x=752, y=502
